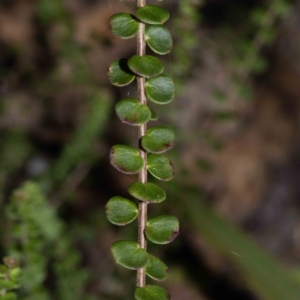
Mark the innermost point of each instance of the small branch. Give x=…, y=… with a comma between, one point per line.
x=142, y=217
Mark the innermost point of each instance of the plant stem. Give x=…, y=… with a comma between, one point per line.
x=142, y=217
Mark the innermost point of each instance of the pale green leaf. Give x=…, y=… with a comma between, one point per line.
x=152, y=14
x=124, y=25
x=148, y=192
x=156, y=269
x=146, y=66
x=160, y=167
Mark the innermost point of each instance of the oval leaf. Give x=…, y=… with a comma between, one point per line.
x=121, y=211
x=129, y=255
x=156, y=269
x=119, y=74
x=160, y=167
x=152, y=14
x=124, y=25
x=159, y=39
x=146, y=66
x=154, y=115
x=126, y=159
x=158, y=139
x=132, y=112
x=148, y=192
x=160, y=89
x=162, y=229
x=151, y=292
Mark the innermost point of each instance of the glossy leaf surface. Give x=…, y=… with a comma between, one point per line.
x=121, y=211
x=160, y=89
x=132, y=112
x=129, y=255
x=124, y=25
x=119, y=74
x=156, y=269
x=160, y=167
x=151, y=292
x=152, y=14
x=159, y=39
x=126, y=159
x=162, y=229
x=146, y=66
x=148, y=192
x=158, y=139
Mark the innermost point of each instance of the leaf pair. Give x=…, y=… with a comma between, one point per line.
x=127, y=160
x=159, y=89
x=157, y=36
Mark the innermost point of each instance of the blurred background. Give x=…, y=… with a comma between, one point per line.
x=236, y=64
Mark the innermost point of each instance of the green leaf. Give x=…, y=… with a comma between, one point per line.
x=160, y=167
x=151, y=292
x=119, y=74
x=124, y=25
x=146, y=66
x=129, y=255
x=154, y=115
x=15, y=274
x=156, y=269
x=160, y=89
x=162, y=229
x=126, y=159
x=159, y=39
x=152, y=14
x=9, y=296
x=148, y=192
x=132, y=112
x=158, y=139
x=121, y=211
x=8, y=284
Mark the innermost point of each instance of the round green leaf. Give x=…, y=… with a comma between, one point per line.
x=124, y=25
x=152, y=14
x=159, y=39
x=160, y=89
x=154, y=115
x=121, y=211
x=132, y=112
x=151, y=292
x=160, y=167
x=119, y=74
x=158, y=139
x=9, y=296
x=148, y=192
x=129, y=254
x=156, y=269
x=126, y=159
x=146, y=66
x=162, y=230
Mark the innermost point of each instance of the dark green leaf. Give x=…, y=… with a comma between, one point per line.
x=159, y=39
x=124, y=25
x=9, y=296
x=154, y=115
x=156, y=269
x=160, y=167
x=146, y=66
x=148, y=192
x=126, y=159
x=162, y=229
x=129, y=254
x=152, y=14
x=119, y=74
x=132, y=112
x=121, y=211
x=158, y=139
x=160, y=89
x=151, y=292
